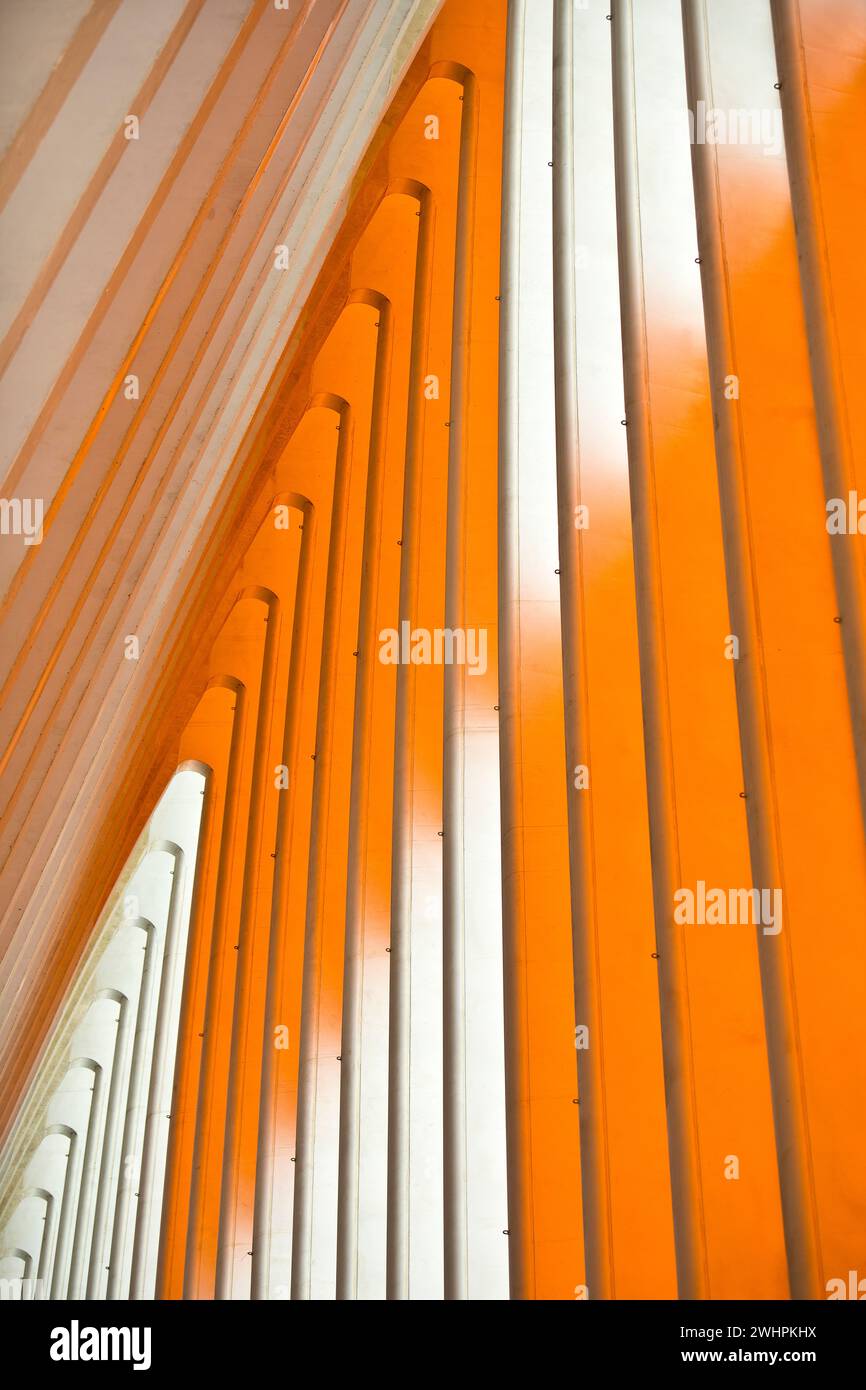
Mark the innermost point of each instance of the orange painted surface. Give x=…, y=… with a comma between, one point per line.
x=333, y=355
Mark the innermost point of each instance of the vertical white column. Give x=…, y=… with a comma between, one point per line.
x=92, y=1172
